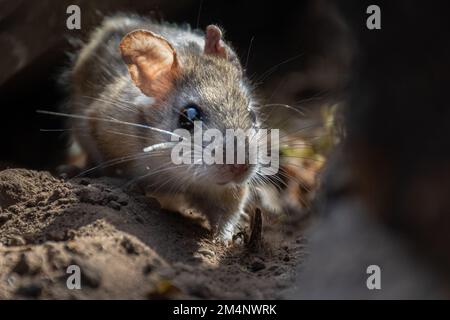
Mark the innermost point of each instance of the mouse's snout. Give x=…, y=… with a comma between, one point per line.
x=238, y=169
x=236, y=173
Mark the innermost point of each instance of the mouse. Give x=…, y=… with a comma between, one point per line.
x=134, y=74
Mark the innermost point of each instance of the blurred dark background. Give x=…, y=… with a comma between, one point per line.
x=387, y=186
x=398, y=122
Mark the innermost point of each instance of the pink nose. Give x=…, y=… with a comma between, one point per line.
x=238, y=169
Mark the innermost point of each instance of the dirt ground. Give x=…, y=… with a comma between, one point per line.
x=126, y=246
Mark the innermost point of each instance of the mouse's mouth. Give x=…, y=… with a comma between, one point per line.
x=233, y=173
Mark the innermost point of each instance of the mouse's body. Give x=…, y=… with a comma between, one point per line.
x=139, y=72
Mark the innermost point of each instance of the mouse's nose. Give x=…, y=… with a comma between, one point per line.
x=238, y=169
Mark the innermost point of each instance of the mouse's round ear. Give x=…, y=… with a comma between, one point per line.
x=151, y=60
x=214, y=45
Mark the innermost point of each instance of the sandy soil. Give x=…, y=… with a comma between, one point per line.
x=126, y=246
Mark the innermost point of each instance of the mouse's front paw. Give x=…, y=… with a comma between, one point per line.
x=224, y=227
x=222, y=237
x=228, y=237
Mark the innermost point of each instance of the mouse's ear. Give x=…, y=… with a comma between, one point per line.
x=151, y=60
x=214, y=45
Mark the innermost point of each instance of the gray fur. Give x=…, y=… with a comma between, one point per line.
x=101, y=87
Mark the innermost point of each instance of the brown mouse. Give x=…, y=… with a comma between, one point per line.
x=134, y=82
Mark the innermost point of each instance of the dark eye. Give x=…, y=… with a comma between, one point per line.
x=188, y=115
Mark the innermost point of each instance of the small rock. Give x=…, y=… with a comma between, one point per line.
x=72, y=246
x=15, y=209
x=148, y=268
x=63, y=201
x=84, y=182
x=54, y=196
x=67, y=171
x=279, y=271
x=207, y=253
x=257, y=265
x=150, y=202
x=16, y=241
x=123, y=199
x=57, y=235
x=32, y=290
x=112, y=197
x=90, y=194
x=114, y=205
x=25, y=265
x=5, y=217
x=273, y=268
x=129, y=246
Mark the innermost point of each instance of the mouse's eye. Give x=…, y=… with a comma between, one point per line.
x=188, y=115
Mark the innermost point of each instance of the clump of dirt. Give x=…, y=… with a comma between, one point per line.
x=126, y=246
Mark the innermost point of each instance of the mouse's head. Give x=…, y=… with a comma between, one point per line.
x=194, y=84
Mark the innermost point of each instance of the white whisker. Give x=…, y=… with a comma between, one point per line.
x=159, y=146
x=77, y=116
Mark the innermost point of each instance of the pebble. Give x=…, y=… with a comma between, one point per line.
x=129, y=246
x=207, y=253
x=114, y=205
x=257, y=265
x=32, y=290
x=16, y=241
x=4, y=218
x=24, y=266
